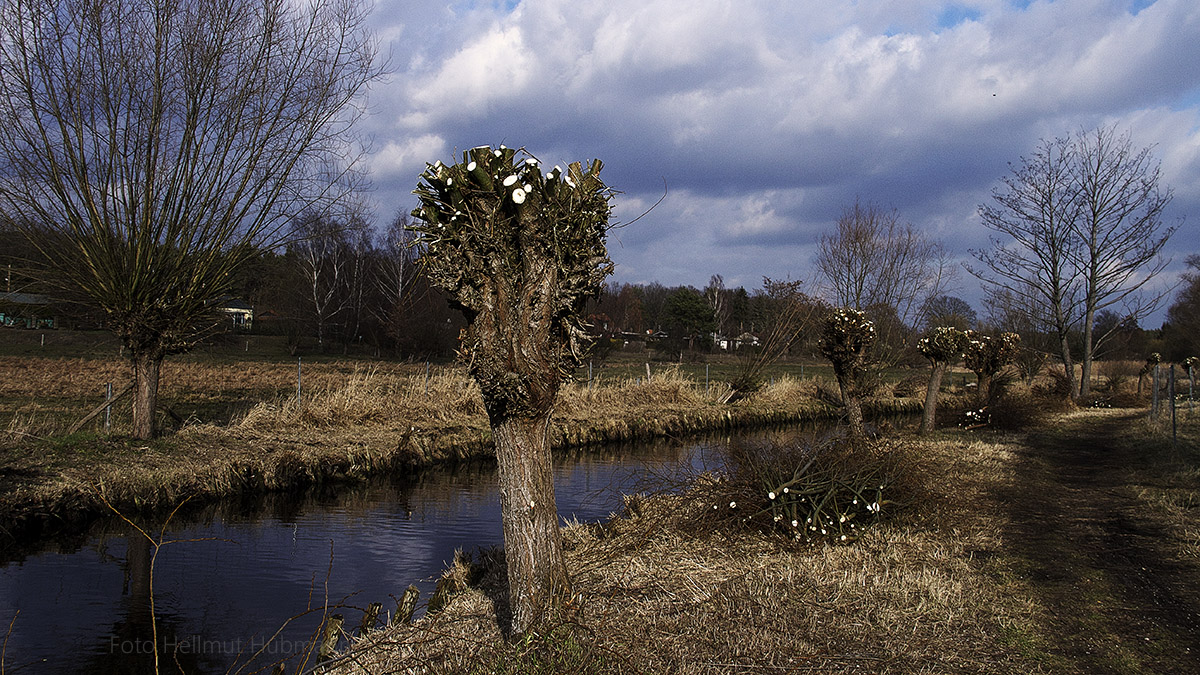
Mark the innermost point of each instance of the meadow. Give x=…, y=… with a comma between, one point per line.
x=236, y=424
x=1048, y=540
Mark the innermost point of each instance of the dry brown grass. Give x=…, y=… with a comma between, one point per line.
x=371, y=395
x=656, y=597
x=352, y=421
x=1170, y=486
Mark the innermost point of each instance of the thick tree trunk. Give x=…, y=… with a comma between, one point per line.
x=145, y=398
x=1068, y=367
x=854, y=415
x=929, y=416
x=985, y=388
x=1085, y=376
x=537, y=572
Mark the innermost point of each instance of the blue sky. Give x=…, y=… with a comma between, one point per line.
x=764, y=119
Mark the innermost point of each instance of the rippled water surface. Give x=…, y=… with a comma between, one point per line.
x=228, y=576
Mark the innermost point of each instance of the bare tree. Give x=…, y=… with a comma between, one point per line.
x=395, y=274
x=324, y=248
x=1006, y=313
x=718, y=299
x=947, y=310
x=876, y=263
x=520, y=253
x=158, y=141
x=1120, y=231
x=1083, y=232
x=1032, y=262
x=1183, y=316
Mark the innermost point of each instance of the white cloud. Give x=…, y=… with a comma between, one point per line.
x=405, y=158
x=765, y=118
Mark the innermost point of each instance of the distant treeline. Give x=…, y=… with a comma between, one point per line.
x=345, y=287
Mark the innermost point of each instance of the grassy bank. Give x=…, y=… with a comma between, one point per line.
x=975, y=577
x=657, y=594
x=352, y=421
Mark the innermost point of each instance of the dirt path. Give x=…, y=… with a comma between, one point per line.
x=1114, y=599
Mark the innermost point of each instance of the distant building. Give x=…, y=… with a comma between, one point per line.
x=240, y=313
x=26, y=310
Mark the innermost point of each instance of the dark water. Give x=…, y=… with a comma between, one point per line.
x=232, y=574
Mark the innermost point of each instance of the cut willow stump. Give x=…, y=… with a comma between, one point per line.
x=329, y=638
x=447, y=587
x=406, y=606
x=369, y=618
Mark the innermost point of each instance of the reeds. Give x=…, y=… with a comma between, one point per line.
x=368, y=396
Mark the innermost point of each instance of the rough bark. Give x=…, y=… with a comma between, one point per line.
x=1068, y=366
x=929, y=415
x=146, y=368
x=985, y=389
x=537, y=572
x=853, y=406
x=520, y=251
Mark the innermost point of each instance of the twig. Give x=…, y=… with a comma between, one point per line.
x=4, y=649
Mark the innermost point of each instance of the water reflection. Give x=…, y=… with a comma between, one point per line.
x=229, y=575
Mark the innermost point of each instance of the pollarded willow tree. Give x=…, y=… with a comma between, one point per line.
x=519, y=252
x=150, y=145
x=942, y=346
x=846, y=339
x=876, y=263
x=985, y=355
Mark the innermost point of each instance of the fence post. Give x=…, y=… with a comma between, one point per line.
x=589, y=373
x=1154, y=398
x=647, y=372
x=706, y=378
x=1171, y=393
x=108, y=408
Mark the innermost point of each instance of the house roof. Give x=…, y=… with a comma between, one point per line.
x=25, y=298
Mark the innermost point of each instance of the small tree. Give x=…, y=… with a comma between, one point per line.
x=689, y=319
x=941, y=346
x=787, y=314
x=876, y=263
x=519, y=252
x=846, y=338
x=986, y=355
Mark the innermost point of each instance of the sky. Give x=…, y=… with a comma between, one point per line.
x=756, y=122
